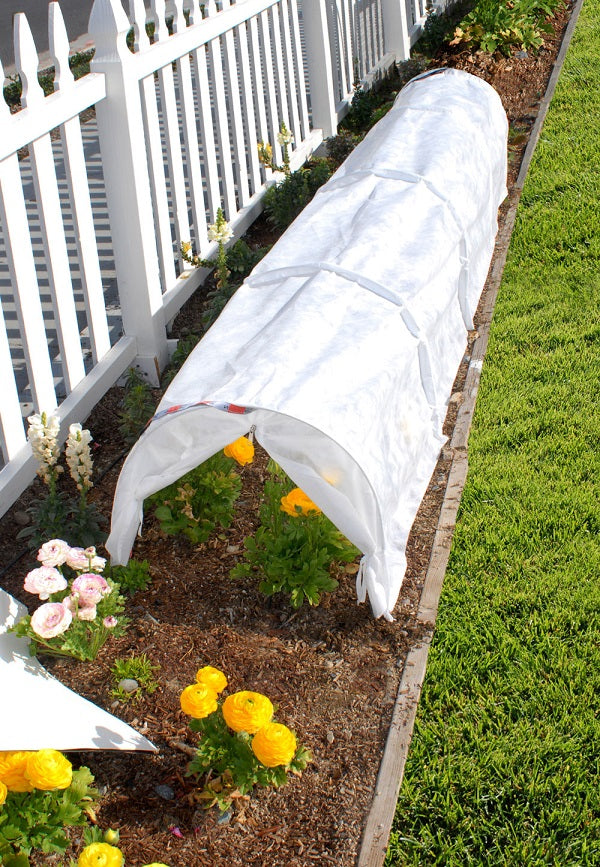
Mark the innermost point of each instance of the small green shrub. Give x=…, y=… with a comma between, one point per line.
x=132, y=577
x=284, y=201
x=199, y=502
x=294, y=549
x=138, y=668
x=137, y=406
x=503, y=25
x=364, y=102
x=241, y=258
x=341, y=146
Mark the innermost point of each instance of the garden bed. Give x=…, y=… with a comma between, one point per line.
x=333, y=671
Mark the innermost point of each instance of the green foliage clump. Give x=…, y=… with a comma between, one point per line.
x=364, y=102
x=137, y=406
x=132, y=577
x=139, y=668
x=284, y=201
x=38, y=820
x=199, y=502
x=292, y=554
x=506, y=25
x=241, y=259
x=50, y=517
x=341, y=146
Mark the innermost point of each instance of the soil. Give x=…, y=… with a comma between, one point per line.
x=333, y=671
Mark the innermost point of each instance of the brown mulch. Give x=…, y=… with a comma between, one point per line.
x=333, y=671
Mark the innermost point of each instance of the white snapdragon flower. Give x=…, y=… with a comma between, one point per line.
x=78, y=456
x=220, y=233
x=285, y=137
x=43, y=437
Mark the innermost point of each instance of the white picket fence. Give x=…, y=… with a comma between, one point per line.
x=93, y=216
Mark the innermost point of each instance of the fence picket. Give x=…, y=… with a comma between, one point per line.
x=79, y=195
x=259, y=91
x=168, y=100
x=222, y=124
x=269, y=79
x=247, y=96
x=287, y=53
x=281, y=84
x=296, y=48
x=50, y=214
x=26, y=295
x=235, y=116
x=12, y=435
x=207, y=140
x=137, y=16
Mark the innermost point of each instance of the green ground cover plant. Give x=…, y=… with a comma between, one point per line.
x=506, y=25
x=503, y=767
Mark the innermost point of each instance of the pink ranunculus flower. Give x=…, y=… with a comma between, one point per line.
x=110, y=622
x=90, y=588
x=87, y=612
x=77, y=559
x=51, y=619
x=44, y=581
x=85, y=560
x=53, y=553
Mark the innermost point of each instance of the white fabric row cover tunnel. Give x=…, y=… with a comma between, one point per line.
x=342, y=346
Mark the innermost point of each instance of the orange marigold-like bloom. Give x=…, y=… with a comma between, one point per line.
x=242, y=451
x=49, y=769
x=297, y=503
x=274, y=745
x=247, y=711
x=3, y=792
x=13, y=764
x=212, y=677
x=198, y=700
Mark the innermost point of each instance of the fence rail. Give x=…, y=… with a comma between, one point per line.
x=102, y=181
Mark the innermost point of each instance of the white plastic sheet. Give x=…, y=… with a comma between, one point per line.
x=40, y=712
x=342, y=346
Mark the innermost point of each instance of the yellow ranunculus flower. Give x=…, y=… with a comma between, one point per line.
x=242, y=450
x=101, y=855
x=12, y=770
x=247, y=711
x=198, y=700
x=274, y=745
x=297, y=503
x=212, y=677
x=49, y=769
x=3, y=793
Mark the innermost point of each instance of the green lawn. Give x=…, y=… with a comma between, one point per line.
x=504, y=764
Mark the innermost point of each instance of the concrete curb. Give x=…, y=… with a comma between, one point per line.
x=378, y=826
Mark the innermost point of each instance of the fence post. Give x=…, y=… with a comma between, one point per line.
x=396, y=37
x=124, y=163
x=319, y=69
